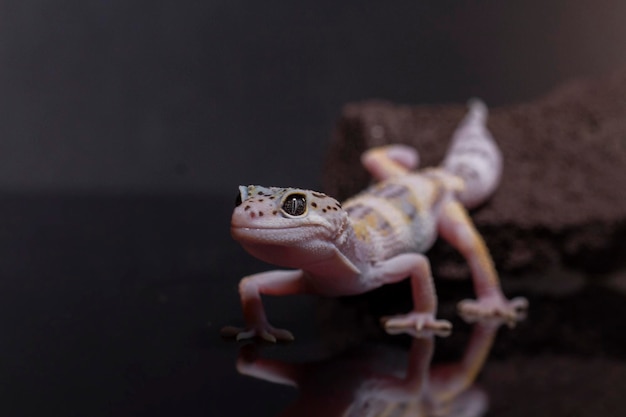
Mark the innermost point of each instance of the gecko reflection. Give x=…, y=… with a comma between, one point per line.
x=377, y=381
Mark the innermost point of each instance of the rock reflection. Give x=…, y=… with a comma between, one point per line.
x=381, y=381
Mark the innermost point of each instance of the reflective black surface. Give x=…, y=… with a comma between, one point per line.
x=112, y=304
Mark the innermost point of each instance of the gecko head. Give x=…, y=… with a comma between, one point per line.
x=270, y=222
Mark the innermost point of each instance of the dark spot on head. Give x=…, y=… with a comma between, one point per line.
x=260, y=200
x=246, y=208
x=324, y=210
x=275, y=212
x=260, y=213
x=314, y=204
x=338, y=205
x=272, y=197
x=328, y=207
x=335, y=208
x=261, y=193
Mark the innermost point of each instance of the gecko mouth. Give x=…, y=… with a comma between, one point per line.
x=285, y=224
x=273, y=233
x=248, y=228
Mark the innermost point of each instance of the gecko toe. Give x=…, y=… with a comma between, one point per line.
x=246, y=334
x=284, y=335
x=266, y=333
x=230, y=331
x=519, y=303
x=416, y=324
x=267, y=336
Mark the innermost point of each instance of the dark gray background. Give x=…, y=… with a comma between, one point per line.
x=203, y=95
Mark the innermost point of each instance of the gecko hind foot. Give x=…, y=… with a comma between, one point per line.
x=416, y=325
x=267, y=333
x=510, y=310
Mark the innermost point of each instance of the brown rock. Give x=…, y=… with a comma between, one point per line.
x=562, y=200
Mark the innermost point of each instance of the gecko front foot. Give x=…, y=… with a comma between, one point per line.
x=265, y=332
x=493, y=306
x=416, y=324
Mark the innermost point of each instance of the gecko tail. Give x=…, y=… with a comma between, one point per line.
x=474, y=156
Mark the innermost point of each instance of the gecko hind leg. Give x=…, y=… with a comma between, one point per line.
x=456, y=227
x=390, y=161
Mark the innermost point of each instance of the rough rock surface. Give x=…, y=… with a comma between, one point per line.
x=562, y=200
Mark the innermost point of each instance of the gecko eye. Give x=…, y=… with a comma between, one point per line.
x=295, y=204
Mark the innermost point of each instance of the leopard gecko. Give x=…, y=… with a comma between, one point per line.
x=378, y=236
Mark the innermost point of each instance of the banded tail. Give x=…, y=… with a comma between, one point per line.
x=474, y=156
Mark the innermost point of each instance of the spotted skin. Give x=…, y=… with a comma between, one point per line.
x=378, y=236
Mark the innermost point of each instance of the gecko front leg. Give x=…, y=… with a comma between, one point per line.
x=250, y=289
x=456, y=227
x=422, y=318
